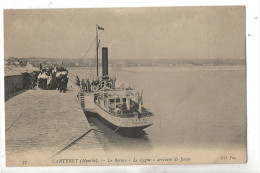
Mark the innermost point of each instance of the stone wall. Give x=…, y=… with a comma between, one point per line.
x=13, y=84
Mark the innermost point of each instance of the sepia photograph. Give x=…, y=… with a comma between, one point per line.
x=125, y=86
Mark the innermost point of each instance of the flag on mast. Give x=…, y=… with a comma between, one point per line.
x=101, y=28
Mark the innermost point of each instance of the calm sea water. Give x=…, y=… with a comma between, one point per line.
x=193, y=106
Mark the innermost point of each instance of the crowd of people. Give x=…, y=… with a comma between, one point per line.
x=52, y=78
x=96, y=84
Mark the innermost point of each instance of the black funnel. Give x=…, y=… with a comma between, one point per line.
x=104, y=61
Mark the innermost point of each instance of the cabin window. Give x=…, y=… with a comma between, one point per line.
x=112, y=101
x=118, y=100
x=124, y=100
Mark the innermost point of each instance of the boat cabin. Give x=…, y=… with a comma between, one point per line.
x=118, y=103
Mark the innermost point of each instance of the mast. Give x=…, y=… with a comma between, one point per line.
x=98, y=42
x=97, y=47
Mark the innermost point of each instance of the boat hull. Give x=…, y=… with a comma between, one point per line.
x=125, y=131
x=126, y=126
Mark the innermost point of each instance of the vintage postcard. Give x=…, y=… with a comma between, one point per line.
x=125, y=86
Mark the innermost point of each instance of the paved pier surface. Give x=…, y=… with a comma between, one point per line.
x=43, y=122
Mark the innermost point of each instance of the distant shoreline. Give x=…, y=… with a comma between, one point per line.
x=91, y=62
x=17, y=66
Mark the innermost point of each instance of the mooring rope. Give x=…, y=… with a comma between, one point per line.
x=14, y=122
x=72, y=75
x=74, y=142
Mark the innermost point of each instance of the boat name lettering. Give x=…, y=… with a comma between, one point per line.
x=139, y=121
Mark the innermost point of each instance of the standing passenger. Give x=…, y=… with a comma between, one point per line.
x=77, y=81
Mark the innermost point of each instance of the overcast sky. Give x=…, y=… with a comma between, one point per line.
x=150, y=33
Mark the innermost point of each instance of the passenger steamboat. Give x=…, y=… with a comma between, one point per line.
x=121, y=108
